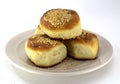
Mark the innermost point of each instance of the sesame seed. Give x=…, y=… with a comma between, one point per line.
x=57, y=17
x=40, y=41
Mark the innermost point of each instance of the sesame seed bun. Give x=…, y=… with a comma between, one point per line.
x=84, y=46
x=45, y=52
x=61, y=23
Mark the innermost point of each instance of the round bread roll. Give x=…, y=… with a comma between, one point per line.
x=61, y=23
x=84, y=46
x=44, y=52
x=38, y=31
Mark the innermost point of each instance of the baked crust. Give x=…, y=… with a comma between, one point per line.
x=45, y=52
x=41, y=42
x=60, y=19
x=86, y=38
x=85, y=46
x=61, y=24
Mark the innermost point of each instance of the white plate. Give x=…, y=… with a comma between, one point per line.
x=16, y=54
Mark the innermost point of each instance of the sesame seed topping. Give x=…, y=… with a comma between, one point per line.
x=41, y=41
x=58, y=17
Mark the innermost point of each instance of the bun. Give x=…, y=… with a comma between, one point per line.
x=61, y=23
x=84, y=46
x=59, y=33
x=44, y=52
x=39, y=31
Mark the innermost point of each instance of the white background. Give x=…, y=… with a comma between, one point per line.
x=99, y=16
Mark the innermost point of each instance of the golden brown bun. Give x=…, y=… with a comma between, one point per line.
x=38, y=31
x=84, y=46
x=61, y=23
x=45, y=52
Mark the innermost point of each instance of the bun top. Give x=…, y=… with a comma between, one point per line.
x=85, y=38
x=59, y=19
x=41, y=42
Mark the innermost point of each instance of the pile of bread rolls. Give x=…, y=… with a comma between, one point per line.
x=59, y=35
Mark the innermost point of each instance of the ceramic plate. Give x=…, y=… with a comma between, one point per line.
x=16, y=54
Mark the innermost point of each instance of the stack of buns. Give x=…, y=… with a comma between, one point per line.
x=60, y=34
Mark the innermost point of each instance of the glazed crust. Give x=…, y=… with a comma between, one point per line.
x=41, y=42
x=85, y=46
x=44, y=51
x=86, y=38
x=62, y=19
